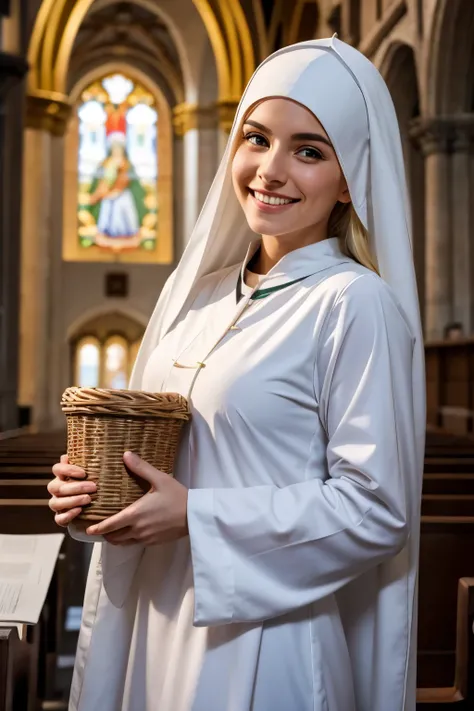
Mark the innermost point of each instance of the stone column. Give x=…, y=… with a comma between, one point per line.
x=435, y=138
x=461, y=198
x=40, y=263
x=12, y=70
x=197, y=129
x=415, y=174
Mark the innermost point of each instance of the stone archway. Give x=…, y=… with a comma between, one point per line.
x=64, y=49
x=399, y=69
x=105, y=328
x=447, y=135
x=224, y=25
x=449, y=77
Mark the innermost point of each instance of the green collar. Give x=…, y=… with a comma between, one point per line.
x=263, y=293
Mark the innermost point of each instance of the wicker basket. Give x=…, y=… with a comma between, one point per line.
x=103, y=424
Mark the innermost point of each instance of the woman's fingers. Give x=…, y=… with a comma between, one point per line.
x=69, y=492
x=64, y=471
x=63, y=519
x=58, y=487
x=65, y=503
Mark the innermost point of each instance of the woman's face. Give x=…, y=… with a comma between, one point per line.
x=286, y=174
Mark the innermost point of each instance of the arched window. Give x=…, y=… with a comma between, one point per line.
x=118, y=172
x=116, y=355
x=117, y=166
x=88, y=359
x=105, y=363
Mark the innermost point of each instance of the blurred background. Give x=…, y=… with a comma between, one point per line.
x=130, y=104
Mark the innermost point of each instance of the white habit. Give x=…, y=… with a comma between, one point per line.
x=297, y=458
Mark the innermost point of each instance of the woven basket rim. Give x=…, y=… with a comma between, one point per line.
x=138, y=403
x=78, y=412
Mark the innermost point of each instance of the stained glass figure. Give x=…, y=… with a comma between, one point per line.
x=118, y=167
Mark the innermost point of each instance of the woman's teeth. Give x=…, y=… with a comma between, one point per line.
x=271, y=200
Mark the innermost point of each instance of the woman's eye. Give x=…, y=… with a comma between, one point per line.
x=309, y=152
x=256, y=139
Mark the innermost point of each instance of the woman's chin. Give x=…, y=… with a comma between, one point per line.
x=265, y=226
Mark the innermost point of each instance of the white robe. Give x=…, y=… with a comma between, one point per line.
x=297, y=459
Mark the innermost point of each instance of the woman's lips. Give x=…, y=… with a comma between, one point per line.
x=271, y=209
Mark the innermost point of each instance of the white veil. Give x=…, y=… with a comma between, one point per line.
x=349, y=97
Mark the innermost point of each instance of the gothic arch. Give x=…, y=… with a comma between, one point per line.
x=55, y=32
x=113, y=66
x=100, y=41
x=449, y=78
x=129, y=315
x=399, y=68
x=109, y=329
x=304, y=22
x=57, y=25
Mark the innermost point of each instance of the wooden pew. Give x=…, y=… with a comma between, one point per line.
x=18, y=669
x=458, y=695
x=446, y=555
x=449, y=385
x=446, y=552
x=25, y=469
x=446, y=574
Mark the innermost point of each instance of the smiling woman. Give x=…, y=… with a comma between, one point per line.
x=286, y=159
x=277, y=569
x=287, y=178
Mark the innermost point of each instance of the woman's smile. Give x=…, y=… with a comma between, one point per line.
x=271, y=202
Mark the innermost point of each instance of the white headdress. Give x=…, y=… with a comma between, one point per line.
x=346, y=93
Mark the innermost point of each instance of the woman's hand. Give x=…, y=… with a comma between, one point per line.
x=68, y=497
x=158, y=516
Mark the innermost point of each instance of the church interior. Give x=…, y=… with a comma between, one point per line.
x=130, y=103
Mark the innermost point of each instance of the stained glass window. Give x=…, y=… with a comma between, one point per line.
x=117, y=166
x=88, y=363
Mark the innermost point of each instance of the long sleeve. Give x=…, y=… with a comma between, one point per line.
x=261, y=551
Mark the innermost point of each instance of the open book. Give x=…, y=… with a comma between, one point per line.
x=26, y=568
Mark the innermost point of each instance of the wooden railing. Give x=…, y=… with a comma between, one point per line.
x=450, y=385
x=461, y=692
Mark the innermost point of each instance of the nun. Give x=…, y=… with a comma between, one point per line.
x=277, y=571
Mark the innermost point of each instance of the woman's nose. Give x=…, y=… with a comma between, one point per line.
x=272, y=168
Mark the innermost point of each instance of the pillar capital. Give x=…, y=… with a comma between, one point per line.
x=463, y=129
x=443, y=134
x=187, y=117
x=227, y=110
x=48, y=111
x=431, y=134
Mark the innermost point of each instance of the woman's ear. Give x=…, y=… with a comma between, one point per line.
x=344, y=195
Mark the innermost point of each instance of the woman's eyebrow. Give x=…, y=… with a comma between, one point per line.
x=295, y=136
x=311, y=137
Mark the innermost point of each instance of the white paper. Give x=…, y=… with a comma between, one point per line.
x=26, y=568
x=20, y=628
